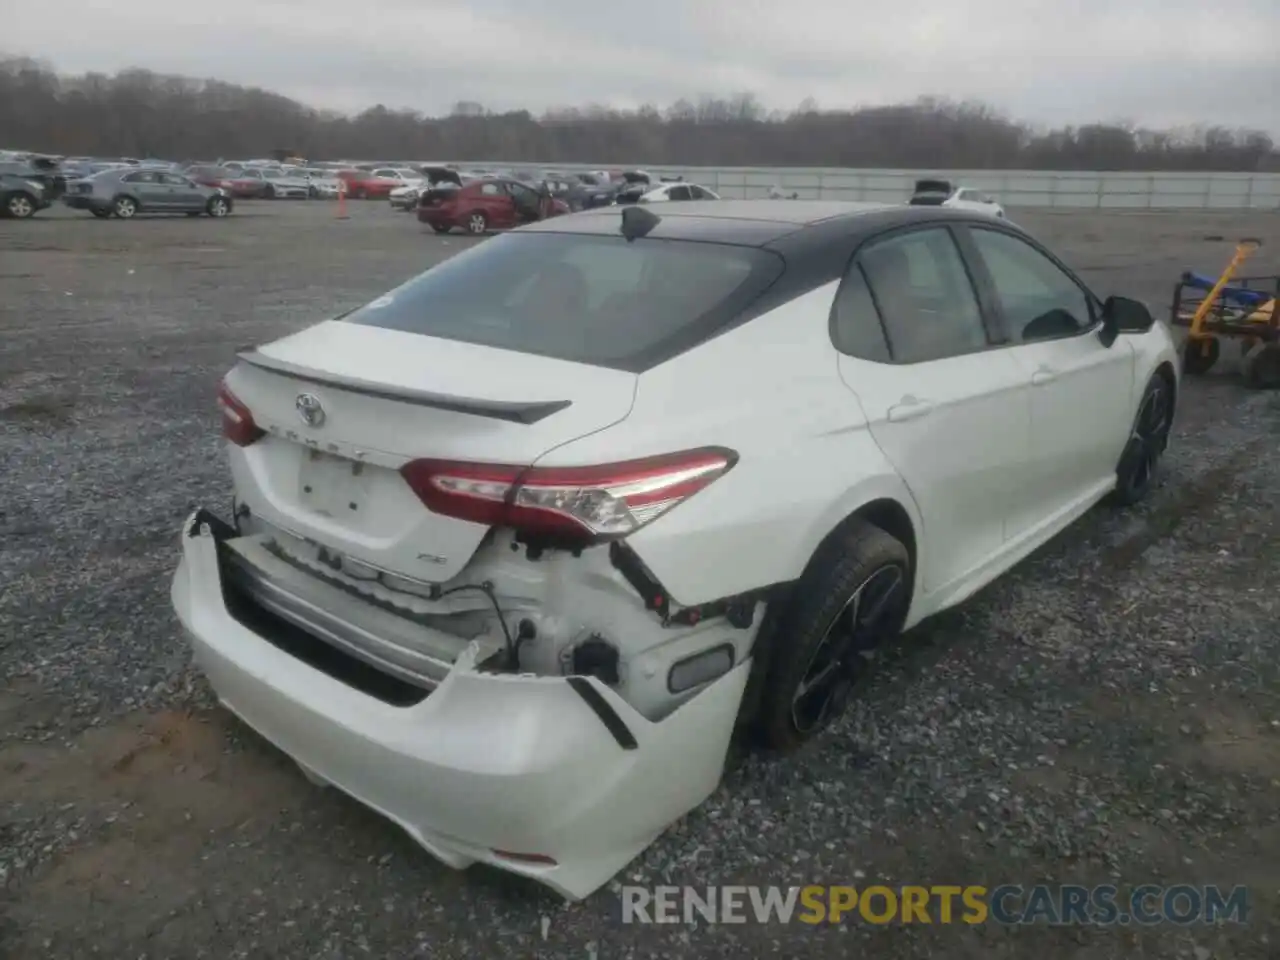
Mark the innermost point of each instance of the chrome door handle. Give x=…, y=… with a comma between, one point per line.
x=908, y=409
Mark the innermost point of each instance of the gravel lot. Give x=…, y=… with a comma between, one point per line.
x=1108, y=711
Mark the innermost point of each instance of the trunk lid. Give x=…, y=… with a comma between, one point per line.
x=344, y=406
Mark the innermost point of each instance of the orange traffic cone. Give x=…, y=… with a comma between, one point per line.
x=342, y=200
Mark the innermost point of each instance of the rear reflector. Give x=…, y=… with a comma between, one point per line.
x=592, y=503
x=237, y=420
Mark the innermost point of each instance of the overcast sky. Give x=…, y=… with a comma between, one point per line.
x=1154, y=62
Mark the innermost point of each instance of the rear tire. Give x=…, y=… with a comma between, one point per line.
x=853, y=597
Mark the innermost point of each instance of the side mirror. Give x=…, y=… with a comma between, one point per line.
x=1124, y=315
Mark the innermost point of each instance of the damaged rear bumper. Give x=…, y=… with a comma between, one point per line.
x=554, y=778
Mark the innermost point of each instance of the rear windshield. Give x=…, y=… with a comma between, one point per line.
x=585, y=298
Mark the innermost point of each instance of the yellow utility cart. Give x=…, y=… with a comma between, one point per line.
x=1231, y=307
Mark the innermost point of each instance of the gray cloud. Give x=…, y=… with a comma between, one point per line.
x=1148, y=61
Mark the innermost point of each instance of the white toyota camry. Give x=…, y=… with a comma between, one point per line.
x=516, y=546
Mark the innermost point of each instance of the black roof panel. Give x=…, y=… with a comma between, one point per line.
x=750, y=222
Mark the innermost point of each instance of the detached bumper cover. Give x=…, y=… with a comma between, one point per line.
x=560, y=769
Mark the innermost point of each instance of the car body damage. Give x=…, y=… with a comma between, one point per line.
x=593, y=780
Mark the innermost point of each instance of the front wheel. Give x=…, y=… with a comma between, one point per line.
x=20, y=206
x=218, y=207
x=125, y=208
x=477, y=224
x=853, y=598
x=269, y=193
x=1139, y=464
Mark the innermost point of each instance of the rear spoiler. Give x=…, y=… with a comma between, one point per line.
x=511, y=411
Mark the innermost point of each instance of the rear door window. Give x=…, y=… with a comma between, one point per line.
x=589, y=299
x=924, y=296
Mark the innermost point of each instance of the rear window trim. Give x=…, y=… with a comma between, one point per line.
x=724, y=316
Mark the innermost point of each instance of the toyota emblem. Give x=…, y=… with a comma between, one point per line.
x=309, y=409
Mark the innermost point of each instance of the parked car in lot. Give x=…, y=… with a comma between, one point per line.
x=126, y=193
x=405, y=198
x=626, y=187
x=441, y=179
x=485, y=205
x=285, y=184
x=509, y=541
x=249, y=183
x=211, y=176
x=378, y=183
x=21, y=198
x=678, y=191
x=322, y=183
x=944, y=193
x=46, y=171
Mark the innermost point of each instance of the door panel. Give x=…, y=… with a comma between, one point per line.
x=949, y=410
x=957, y=431
x=1079, y=411
x=151, y=193
x=1080, y=389
x=186, y=194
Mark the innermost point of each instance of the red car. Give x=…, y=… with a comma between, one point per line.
x=247, y=183
x=375, y=184
x=485, y=205
x=211, y=176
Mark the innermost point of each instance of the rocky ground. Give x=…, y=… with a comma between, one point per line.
x=1107, y=712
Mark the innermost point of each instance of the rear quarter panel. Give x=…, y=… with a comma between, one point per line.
x=771, y=391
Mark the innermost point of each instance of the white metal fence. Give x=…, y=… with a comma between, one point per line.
x=1013, y=188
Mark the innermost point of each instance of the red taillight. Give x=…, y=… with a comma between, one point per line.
x=237, y=420
x=598, y=503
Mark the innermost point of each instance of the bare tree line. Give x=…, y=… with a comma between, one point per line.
x=138, y=113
